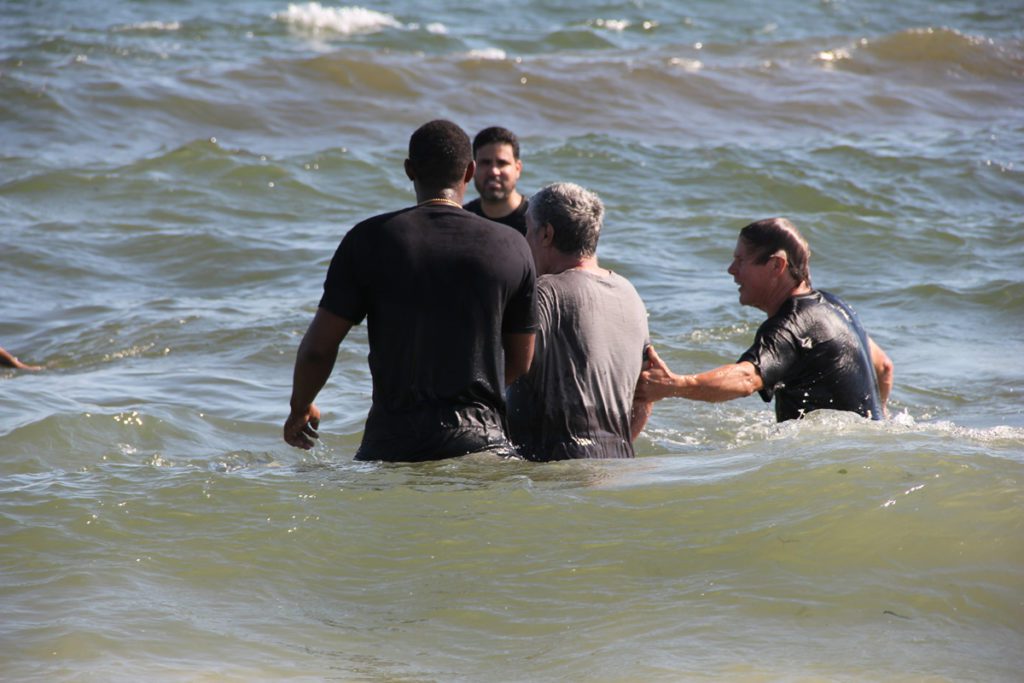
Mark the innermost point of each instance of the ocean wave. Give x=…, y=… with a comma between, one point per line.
x=376, y=76
x=344, y=21
x=936, y=49
x=997, y=295
x=612, y=24
x=576, y=39
x=487, y=53
x=148, y=27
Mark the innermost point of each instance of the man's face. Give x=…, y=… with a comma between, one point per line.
x=754, y=279
x=497, y=171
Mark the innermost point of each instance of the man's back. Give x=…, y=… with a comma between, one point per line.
x=436, y=302
x=575, y=401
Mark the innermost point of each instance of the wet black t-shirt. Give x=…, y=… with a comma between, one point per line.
x=437, y=298
x=516, y=219
x=813, y=354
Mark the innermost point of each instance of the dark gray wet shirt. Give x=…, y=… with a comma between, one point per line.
x=814, y=354
x=576, y=400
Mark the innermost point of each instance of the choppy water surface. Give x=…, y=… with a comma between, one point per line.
x=174, y=178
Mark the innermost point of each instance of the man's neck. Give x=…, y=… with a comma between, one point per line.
x=785, y=295
x=501, y=207
x=449, y=193
x=559, y=263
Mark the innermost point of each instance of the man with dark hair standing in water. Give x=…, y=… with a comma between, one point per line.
x=496, y=152
x=448, y=323
x=811, y=353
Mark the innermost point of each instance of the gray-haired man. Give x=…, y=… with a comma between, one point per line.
x=576, y=401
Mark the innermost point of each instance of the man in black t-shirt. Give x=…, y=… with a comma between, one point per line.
x=811, y=353
x=449, y=325
x=496, y=152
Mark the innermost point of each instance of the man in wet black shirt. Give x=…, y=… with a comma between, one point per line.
x=496, y=153
x=448, y=324
x=812, y=352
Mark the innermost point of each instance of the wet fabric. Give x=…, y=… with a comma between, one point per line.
x=516, y=219
x=436, y=301
x=814, y=354
x=575, y=401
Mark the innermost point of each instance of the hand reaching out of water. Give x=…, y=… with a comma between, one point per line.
x=300, y=429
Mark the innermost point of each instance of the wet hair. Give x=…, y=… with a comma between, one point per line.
x=439, y=153
x=767, y=237
x=575, y=214
x=489, y=136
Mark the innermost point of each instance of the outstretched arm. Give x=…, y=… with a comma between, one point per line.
x=313, y=365
x=724, y=383
x=518, y=354
x=884, y=371
x=9, y=361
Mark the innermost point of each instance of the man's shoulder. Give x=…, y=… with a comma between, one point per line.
x=821, y=302
x=834, y=300
x=580, y=284
x=816, y=297
x=622, y=282
x=372, y=222
x=474, y=207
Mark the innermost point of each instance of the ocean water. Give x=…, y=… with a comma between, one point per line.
x=174, y=178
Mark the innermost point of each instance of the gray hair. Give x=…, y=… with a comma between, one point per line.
x=575, y=214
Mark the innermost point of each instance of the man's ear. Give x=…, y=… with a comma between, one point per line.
x=408, y=171
x=780, y=262
x=470, y=172
x=547, y=234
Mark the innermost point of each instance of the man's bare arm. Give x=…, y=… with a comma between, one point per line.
x=8, y=360
x=314, y=362
x=724, y=383
x=884, y=372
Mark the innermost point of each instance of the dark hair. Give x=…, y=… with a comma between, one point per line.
x=770, y=235
x=439, y=154
x=498, y=134
x=575, y=214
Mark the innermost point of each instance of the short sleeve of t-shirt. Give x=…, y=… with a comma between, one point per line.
x=773, y=353
x=344, y=293
x=521, y=311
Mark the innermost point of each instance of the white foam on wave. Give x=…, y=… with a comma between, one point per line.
x=612, y=24
x=314, y=17
x=993, y=434
x=435, y=27
x=151, y=26
x=690, y=65
x=489, y=53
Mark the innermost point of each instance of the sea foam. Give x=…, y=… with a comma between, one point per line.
x=315, y=17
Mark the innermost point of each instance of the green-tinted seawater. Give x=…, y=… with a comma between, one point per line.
x=174, y=178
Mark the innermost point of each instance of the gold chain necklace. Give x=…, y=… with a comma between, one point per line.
x=441, y=200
